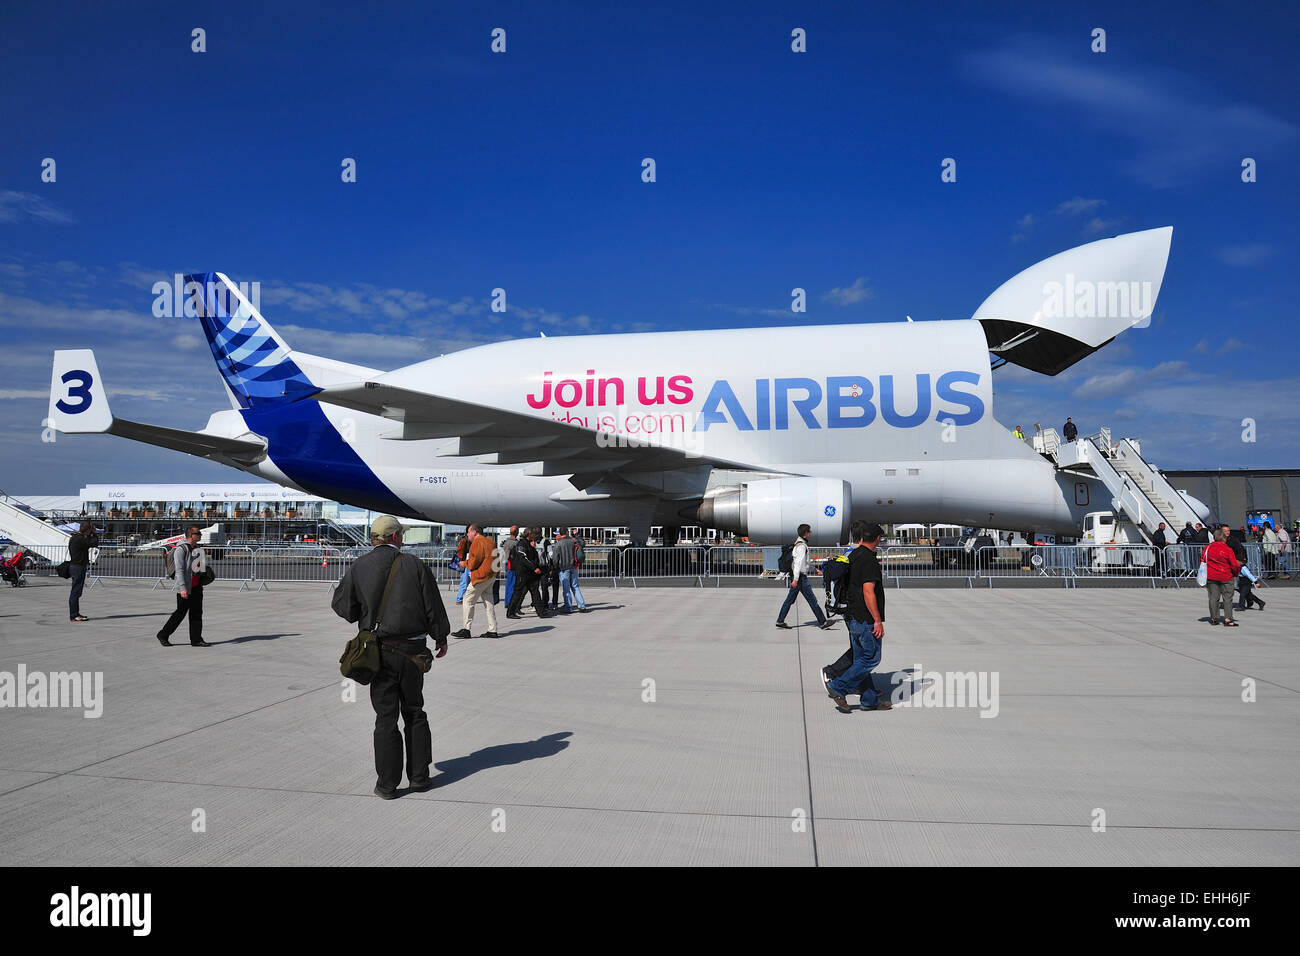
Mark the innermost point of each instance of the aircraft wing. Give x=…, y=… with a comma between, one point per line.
x=498, y=437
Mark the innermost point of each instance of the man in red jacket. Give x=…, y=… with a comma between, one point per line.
x=1221, y=566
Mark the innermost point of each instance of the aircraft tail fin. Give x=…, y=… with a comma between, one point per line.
x=78, y=402
x=254, y=360
x=79, y=406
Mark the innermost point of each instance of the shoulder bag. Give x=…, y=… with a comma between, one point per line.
x=360, y=660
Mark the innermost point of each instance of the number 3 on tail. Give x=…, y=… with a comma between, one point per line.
x=79, y=391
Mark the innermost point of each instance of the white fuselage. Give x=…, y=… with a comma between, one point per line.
x=904, y=412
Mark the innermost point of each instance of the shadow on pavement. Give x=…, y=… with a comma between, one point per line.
x=255, y=637
x=502, y=755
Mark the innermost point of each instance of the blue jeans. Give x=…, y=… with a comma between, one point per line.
x=792, y=594
x=78, y=584
x=464, y=585
x=510, y=585
x=866, y=657
x=569, y=585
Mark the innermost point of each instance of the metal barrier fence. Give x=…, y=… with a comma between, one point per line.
x=687, y=562
x=599, y=562
x=259, y=568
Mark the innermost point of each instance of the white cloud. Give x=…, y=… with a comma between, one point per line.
x=17, y=206
x=1096, y=224
x=1177, y=126
x=1245, y=255
x=1117, y=382
x=851, y=295
x=1078, y=206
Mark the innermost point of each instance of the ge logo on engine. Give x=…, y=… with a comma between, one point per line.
x=830, y=511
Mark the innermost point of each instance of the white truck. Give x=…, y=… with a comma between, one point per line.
x=1112, y=541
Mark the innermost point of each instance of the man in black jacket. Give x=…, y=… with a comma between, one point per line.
x=1159, y=540
x=527, y=566
x=1071, y=430
x=414, y=609
x=79, y=546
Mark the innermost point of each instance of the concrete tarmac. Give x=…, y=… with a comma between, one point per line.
x=666, y=726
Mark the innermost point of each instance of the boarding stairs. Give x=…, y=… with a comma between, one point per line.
x=23, y=527
x=1138, y=488
x=354, y=533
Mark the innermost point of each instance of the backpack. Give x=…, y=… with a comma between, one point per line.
x=785, y=563
x=578, y=554
x=169, y=562
x=835, y=579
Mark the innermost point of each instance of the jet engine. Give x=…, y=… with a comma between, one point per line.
x=770, y=510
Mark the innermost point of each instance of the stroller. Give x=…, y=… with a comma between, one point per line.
x=12, y=567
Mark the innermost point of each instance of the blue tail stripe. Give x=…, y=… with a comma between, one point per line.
x=255, y=367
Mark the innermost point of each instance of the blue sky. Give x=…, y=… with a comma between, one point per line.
x=522, y=170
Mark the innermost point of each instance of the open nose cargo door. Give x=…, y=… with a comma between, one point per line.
x=1063, y=309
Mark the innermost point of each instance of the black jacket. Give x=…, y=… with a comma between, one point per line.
x=415, y=606
x=523, y=561
x=79, y=546
x=1071, y=432
x=1158, y=539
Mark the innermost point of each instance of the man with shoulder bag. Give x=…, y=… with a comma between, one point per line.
x=395, y=598
x=190, y=567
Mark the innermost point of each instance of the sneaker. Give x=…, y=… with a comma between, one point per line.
x=461, y=634
x=841, y=704
x=162, y=640
x=826, y=679
x=826, y=624
x=783, y=626
x=385, y=794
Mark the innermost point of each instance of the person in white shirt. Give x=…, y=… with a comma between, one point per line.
x=1283, y=549
x=1270, y=551
x=800, y=565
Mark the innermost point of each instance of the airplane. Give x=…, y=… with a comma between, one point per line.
x=751, y=431
x=211, y=535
